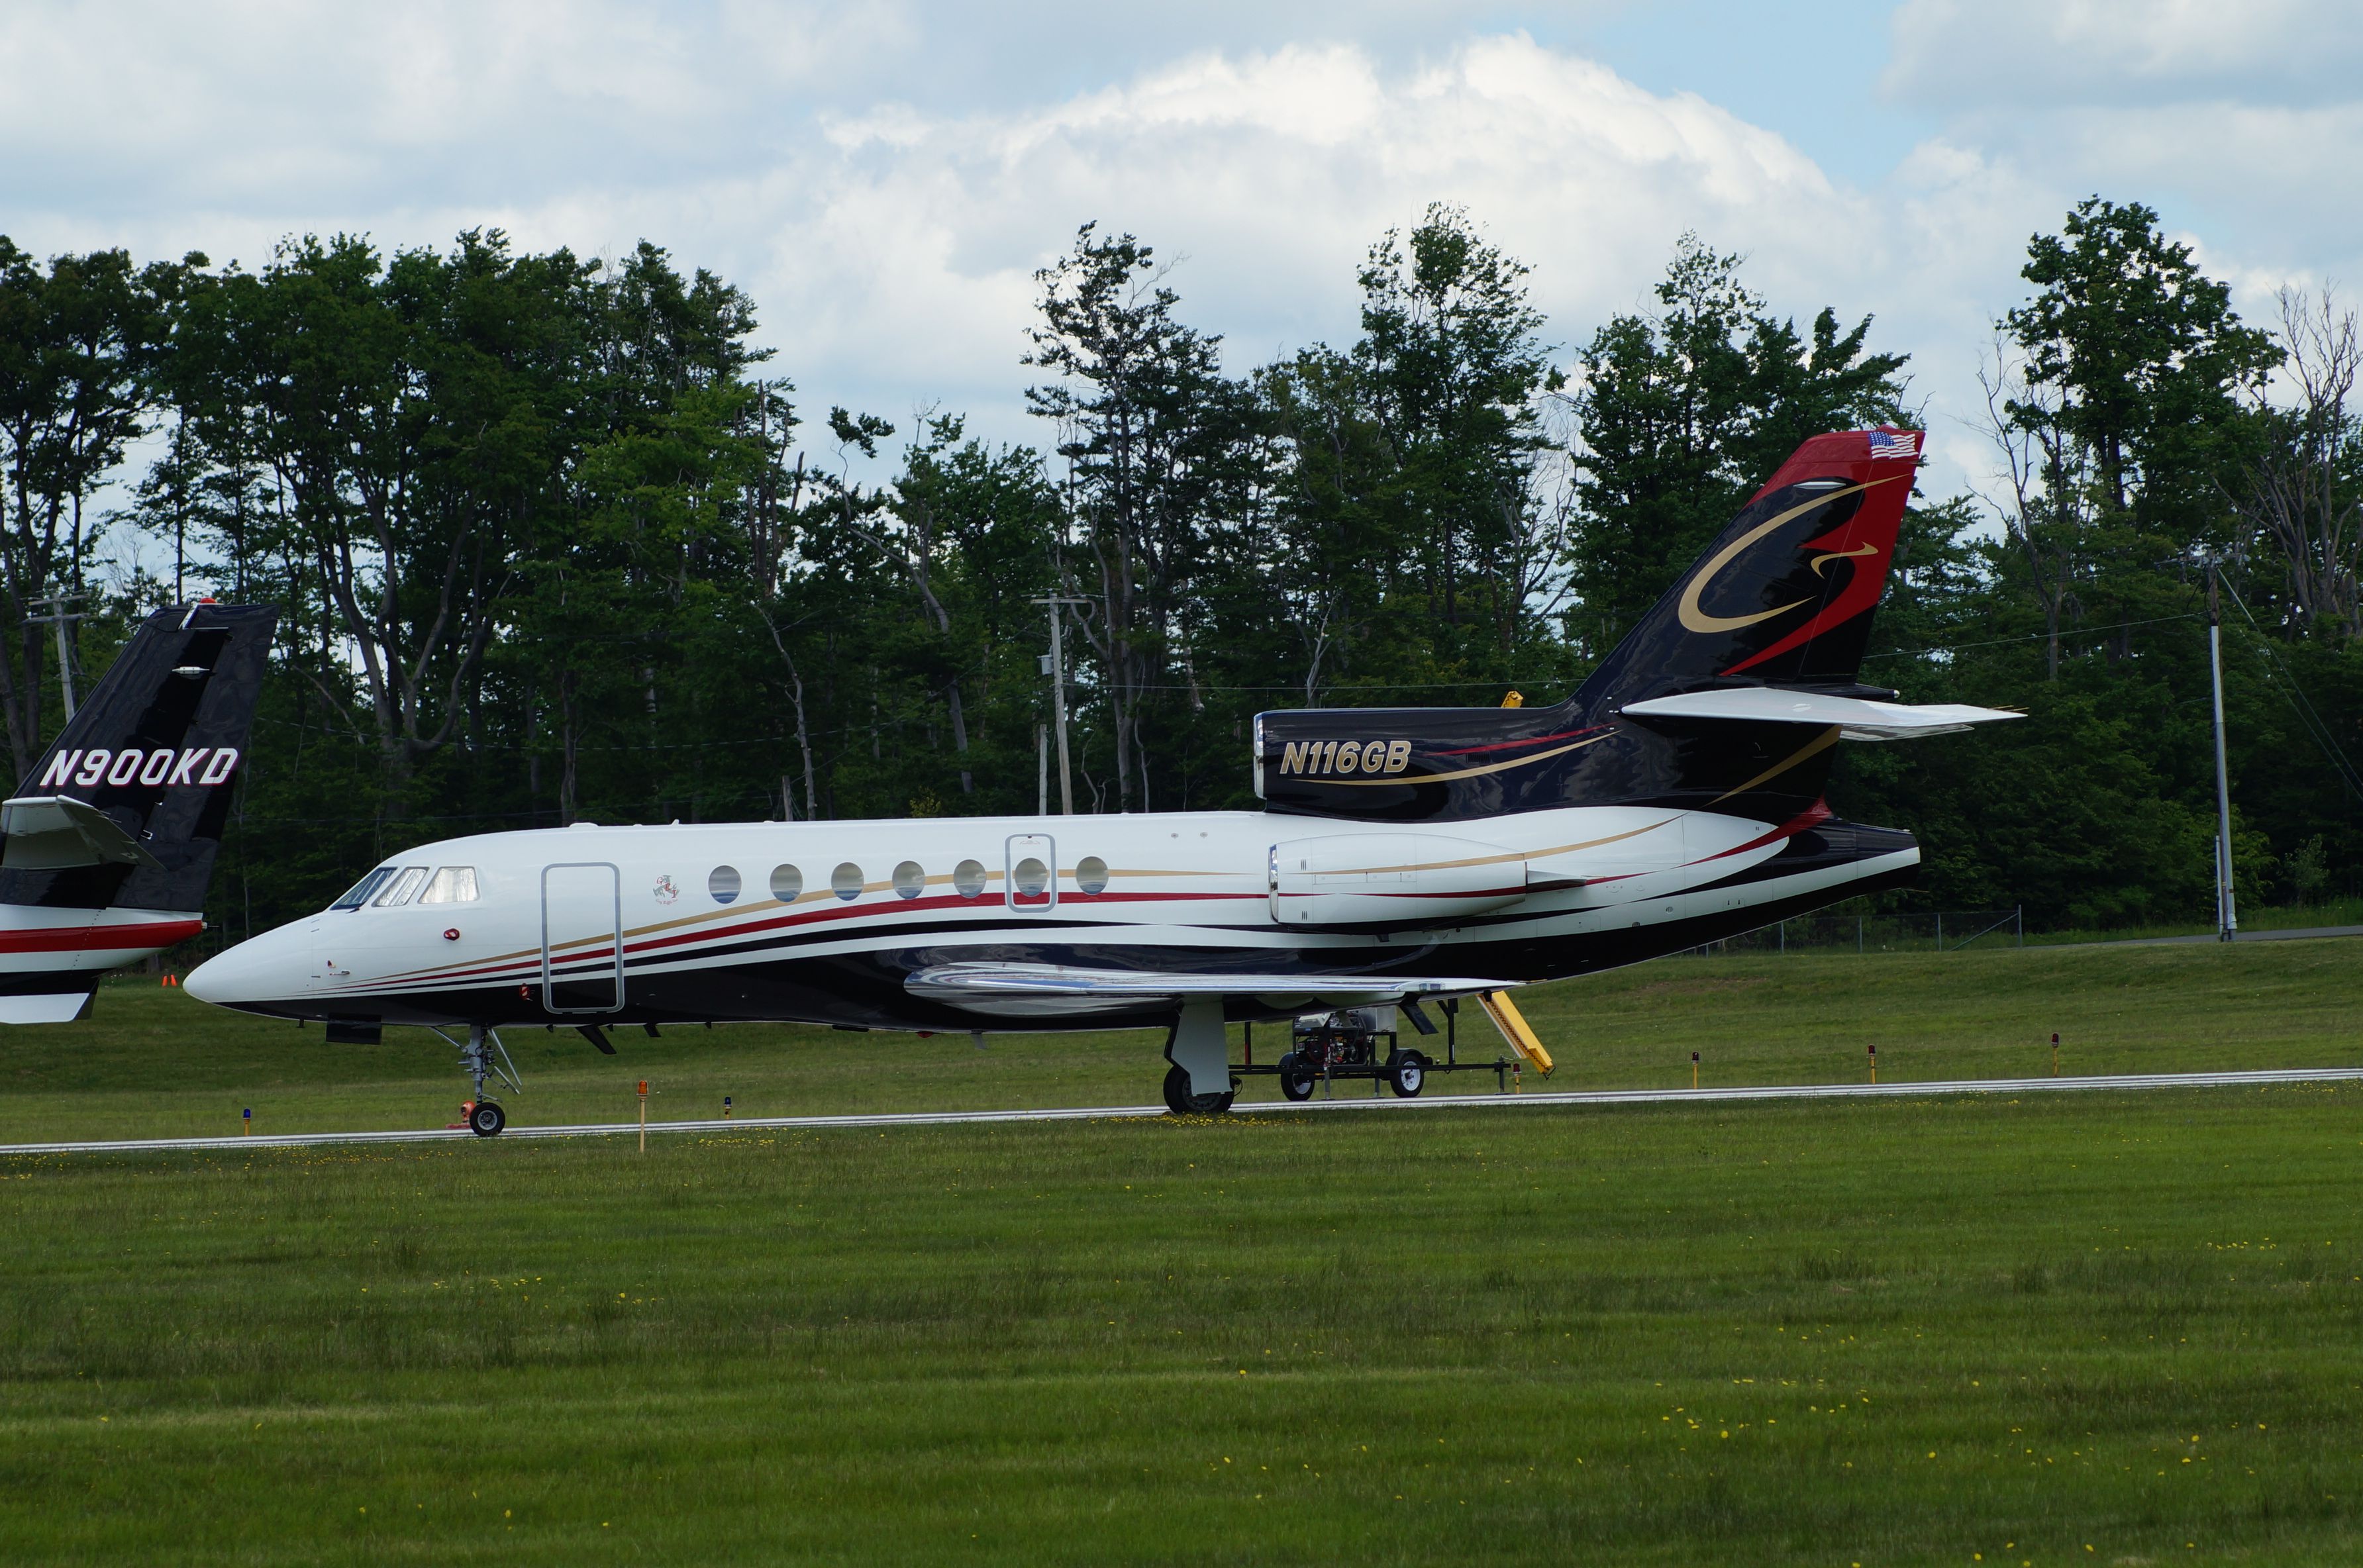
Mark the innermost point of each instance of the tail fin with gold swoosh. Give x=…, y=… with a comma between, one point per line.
x=1783, y=599
x=1785, y=596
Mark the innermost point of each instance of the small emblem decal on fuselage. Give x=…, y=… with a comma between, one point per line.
x=1341, y=758
x=666, y=891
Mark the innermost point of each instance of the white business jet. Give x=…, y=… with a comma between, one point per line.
x=1401, y=854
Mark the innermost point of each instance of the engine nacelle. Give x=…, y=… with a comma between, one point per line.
x=1390, y=879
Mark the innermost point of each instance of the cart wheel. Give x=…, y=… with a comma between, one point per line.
x=1182, y=1102
x=1296, y=1079
x=1406, y=1074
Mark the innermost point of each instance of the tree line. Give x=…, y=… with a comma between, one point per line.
x=557, y=542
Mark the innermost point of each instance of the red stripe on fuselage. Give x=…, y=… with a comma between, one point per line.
x=528, y=964
x=1819, y=812
x=73, y=938
x=1511, y=745
x=915, y=906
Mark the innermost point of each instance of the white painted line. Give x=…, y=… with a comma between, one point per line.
x=1117, y=1112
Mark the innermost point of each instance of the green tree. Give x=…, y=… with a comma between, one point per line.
x=1159, y=443
x=76, y=342
x=1683, y=414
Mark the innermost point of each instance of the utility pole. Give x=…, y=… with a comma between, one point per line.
x=2227, y=920
x=59, y=618
x=1058, y=674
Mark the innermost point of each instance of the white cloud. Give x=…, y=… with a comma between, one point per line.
x=1983, y=54
x=885, y=179
x=1272, y=173
x=2241, y=122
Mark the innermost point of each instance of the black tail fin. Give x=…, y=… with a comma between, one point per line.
x=1782, y=598
x=155, y=750
x=1785, y=594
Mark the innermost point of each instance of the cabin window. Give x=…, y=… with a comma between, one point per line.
x=786, y=883
x=722, y=882
x=399, y=889
x=359, y=892
x=1032, y=878
x=1092, y=874
x=967, y=877
x=846, y=881
x=910, y=881
x=451, y=885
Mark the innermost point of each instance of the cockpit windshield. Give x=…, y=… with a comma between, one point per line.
x=451, y=885
x=398, y=891
x=391, y=885
x=359, y=892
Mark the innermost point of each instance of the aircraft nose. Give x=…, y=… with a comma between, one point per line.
x=243, y=974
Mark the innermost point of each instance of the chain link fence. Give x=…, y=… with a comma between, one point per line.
x=1944, y=931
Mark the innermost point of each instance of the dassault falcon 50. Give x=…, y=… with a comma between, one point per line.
x=1401, y=853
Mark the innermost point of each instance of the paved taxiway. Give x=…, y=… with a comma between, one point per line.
x=1346, y=1102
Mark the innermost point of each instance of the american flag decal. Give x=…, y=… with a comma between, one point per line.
x=1894, y=443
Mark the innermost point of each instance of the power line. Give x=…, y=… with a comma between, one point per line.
x=2109, y=630
x=2320, y=731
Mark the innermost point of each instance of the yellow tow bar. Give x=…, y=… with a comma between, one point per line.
x=1514, y=1028
x=1497, y=1004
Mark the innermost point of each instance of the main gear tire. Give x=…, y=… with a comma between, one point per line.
x=487, y=1119
x=1182, y=1102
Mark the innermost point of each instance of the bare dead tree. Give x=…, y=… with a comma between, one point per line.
x=2042, y=513
x=2302, y=493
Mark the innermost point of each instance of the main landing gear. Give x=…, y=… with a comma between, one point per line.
x=1182, y=1102
x=1200, y=1082
x=477, y=1059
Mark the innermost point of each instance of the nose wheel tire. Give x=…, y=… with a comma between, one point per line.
x=487, y=1119
x=1406, y=1074
x=1296, y=1079
x=1182, y=1102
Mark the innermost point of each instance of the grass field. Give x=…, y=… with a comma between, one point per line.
x=153, y=1062
x=2104, y=1328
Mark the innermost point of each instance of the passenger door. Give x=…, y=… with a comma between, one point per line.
x=581, y=939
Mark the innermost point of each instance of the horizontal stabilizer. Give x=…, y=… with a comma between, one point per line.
x=50, y=833
x=50, y=1006
x=1050, y=991
x=1856, y=719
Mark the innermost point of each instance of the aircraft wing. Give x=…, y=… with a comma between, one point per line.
x=1856, y=719
x=50, y=833
x=1056, y=991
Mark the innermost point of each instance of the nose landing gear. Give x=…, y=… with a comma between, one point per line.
x=485, y=1117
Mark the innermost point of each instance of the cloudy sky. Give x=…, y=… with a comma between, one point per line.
x=884, y=177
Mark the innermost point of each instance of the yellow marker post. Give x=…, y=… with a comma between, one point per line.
x=1515, y=1029
x=644, y=1116
x=1693, y=1069
x=2055, y=1055
x=1874, y=1064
